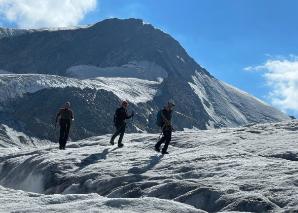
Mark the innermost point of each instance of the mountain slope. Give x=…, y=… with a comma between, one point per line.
x=132, y=60
x=229, y=106
x=112, y=42
x=29, y=103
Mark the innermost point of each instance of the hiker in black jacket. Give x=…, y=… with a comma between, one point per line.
x=65, y=116
x=119, y=121
x=166, y=126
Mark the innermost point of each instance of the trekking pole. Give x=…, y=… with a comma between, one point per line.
x=132, y=121
x=161, y=132
x=179, y=113
x=160, y=135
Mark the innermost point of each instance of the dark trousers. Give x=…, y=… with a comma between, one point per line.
x=120, y=130
x=166, y=138
x=64, y=131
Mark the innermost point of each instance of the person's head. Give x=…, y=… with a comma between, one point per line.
x=67, y=105
x=170, y=105
x=124, y=104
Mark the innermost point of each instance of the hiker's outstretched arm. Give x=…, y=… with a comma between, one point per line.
x=72, y=116
x=129, y=116
x=57, y=116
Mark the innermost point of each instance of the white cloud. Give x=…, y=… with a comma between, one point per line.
x=45, y=13
x=252, y=68
x=281, y=76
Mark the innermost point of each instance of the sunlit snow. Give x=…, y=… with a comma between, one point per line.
x=133, y=89
x=251, y=168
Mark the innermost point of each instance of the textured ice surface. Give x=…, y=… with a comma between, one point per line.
x=32, y=202
x=252, y=168
x=11, y=141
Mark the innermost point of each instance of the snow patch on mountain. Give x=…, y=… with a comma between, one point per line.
x=203, y=86
x=135, y=69
x=133, y=89
x=9, y=32
x=241, y=92
x=51, y=29
x=229, y=106
x=180, y=58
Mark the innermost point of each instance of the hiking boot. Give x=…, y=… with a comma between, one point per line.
x=157, y=149
x=164, y=152
x=120, y=145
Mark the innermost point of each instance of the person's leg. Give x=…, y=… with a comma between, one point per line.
x=66, y=134
x=168, y=137
x=122, y=131
x=117, y=132
x=158, y=144
x=62, y=133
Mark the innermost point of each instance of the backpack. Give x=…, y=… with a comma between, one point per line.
x=117, y=117
x=66, y=114
x=159, y=120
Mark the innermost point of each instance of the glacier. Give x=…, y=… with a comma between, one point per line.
x=252, y=168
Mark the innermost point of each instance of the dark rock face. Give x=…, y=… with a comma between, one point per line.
x=34, y=114
x=112, y=42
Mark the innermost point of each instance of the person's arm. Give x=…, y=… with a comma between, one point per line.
x=57, y=116
x=129, y=116
x=72, y=115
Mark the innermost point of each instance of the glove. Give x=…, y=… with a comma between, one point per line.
x=168, y=123
x=132, y=113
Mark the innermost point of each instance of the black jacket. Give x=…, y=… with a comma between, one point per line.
x=120, y=116
x=167, y=115
x=65, y=114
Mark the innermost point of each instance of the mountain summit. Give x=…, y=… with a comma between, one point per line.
x=108, y=61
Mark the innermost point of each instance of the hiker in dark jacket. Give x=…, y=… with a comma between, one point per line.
x=119, y=121
x=167, y=128
x=65, y=117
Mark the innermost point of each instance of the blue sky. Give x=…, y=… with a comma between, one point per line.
x=237, y=41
